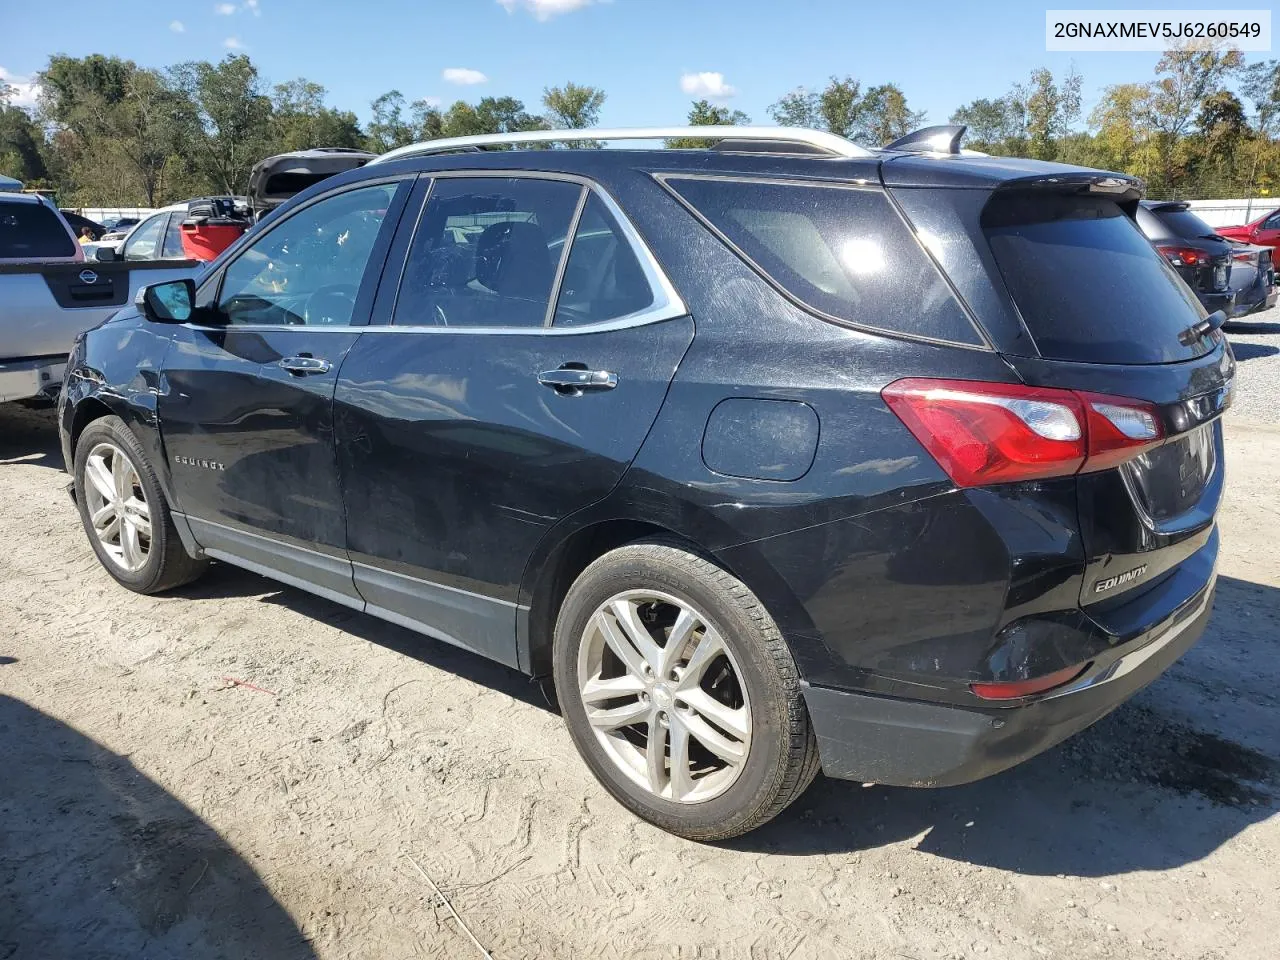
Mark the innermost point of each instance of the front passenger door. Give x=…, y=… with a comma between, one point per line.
x=246, y=404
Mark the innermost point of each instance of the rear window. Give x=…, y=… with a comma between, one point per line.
x=1090, y=287
x=31, y=231
x=842, y=251
x=1184, y=223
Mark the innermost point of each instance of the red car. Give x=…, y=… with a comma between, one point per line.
x=1265, y=231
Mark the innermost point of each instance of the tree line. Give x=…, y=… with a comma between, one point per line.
x=108, y=132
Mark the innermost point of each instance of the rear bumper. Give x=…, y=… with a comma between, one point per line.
x=1224, y=301
x=911, y=743
x=37, y=377
x=1259, y=297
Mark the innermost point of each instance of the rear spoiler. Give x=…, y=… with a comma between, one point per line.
x=1124, y=190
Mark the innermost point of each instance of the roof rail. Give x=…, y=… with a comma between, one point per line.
x=828, y=143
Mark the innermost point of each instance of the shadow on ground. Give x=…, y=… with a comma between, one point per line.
x=1253, y=351
x=98, y=861
x=29, y=436
x=1141, y=790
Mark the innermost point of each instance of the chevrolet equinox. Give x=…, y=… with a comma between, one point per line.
x=776, y=455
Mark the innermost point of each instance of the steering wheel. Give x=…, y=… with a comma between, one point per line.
x=330, y=305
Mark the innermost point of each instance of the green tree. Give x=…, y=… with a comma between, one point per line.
x=840, y=107
x=125, y=123
x=799, y=108
x=22, y=144
x=1050, y=109
x=704, y=113
x=1187, y=76
x=490, y=115
x=427, y=119
x=994, y=125
x=388, y=128
x=573, y=107
x=1122, y=124
x=301, y=119
x=229, y=121
x=884, y=115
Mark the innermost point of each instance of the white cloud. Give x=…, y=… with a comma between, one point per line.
x=252, y=7
x=25, y=91
x=546, y=9
x=706, y=84
x=177, y=26
x=233, y=43
x=463, y=76
x=225, y=9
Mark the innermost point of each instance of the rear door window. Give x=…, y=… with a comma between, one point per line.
x=842, y=251
x=603, y=280
x=30, y=231
x=1090, y=287
x=486, y=252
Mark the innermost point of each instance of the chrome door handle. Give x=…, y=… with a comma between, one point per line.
x=304, y=366
x=574, y=382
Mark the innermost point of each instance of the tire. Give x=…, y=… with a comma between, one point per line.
x=157, y=560
x=751, y=749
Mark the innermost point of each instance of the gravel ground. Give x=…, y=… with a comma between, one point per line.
x=1257, y=347
x=241, y=770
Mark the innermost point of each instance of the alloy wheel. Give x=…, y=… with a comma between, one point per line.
x=664, y=696
x=117, y=506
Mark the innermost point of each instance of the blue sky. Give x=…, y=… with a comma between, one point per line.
x=651, y=56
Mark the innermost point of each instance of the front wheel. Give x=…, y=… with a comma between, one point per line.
x=680, y=694
x=124, y=511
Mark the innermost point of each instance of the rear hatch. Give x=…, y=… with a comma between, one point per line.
x=1097, y=310
x=1108, y=317
x=274, y=180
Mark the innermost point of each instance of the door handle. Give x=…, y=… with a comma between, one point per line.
x=304, y=366
x=573, y=382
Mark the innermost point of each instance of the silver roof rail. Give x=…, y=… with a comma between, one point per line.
x=827, y=142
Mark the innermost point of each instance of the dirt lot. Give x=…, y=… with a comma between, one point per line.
x=151, y=807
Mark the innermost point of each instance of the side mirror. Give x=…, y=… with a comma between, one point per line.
x=170, y=302
x=106, y=254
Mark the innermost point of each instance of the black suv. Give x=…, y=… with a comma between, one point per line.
x=777, y=455
x=1201, y=257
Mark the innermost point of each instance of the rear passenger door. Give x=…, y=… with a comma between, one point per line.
x=527, y=343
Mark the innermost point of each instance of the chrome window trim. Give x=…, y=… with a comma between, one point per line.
x=857, y=185
x=217, y=277
x=667, y=303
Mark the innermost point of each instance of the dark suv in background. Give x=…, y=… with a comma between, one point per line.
x=775, y=455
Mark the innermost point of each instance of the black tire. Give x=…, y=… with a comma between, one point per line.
x=168, y=564
x=782, y=759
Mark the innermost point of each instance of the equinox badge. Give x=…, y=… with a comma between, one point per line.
x=1102, y=586
x=199, y=462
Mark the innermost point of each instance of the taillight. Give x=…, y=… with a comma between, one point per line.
x=983, y=433
x=1013, y=690
x=1244, y=256
x=1184, y=256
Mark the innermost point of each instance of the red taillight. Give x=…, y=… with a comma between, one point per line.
x=983, y=433
x=1244, y=256
x=1184, y=256
x=1027, y=688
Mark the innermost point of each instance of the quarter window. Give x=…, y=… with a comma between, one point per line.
x=308, y=269
x=603, y=280
x=486, y=252
x=840, y=250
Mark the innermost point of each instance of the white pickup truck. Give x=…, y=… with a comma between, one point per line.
x=49, y=294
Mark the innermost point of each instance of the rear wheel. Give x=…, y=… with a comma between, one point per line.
x=124, y=511
x=680, y=693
